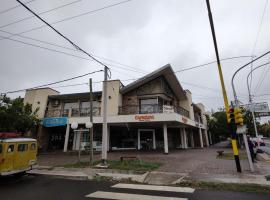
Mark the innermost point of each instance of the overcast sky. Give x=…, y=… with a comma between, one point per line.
x=143, y=35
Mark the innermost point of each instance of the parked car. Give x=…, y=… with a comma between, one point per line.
x=257, y=141
x=17, y=155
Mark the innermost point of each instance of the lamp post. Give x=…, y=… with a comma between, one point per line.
x=74, y=126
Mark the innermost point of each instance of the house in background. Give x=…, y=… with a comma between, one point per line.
x=152, y=113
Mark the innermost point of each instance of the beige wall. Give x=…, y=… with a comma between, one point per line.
x=38, y=99
x=186, y=104
x=114, y=97
x=201, y=106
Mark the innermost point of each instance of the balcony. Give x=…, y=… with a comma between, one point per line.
x=146, y=109
x=75, y=112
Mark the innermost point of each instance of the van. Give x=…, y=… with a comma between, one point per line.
x=17, y=155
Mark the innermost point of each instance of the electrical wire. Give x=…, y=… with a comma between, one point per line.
x=53, y=83
x=209, y=63
x=259, y=84
x=41, y=13
x=257, y=37
x=73, y=17
x=63, y=36
x=14, y=7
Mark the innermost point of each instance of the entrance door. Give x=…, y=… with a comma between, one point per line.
x=146, y=139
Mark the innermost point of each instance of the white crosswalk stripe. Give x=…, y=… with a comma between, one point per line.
x=126, y=196
x=129, y=196
x=154, y=187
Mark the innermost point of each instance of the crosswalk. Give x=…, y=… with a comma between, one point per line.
x=139, y=195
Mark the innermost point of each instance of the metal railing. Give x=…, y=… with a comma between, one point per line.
x=146, y=109
x=75, y=112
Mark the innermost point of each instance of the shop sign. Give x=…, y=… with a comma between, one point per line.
x=144, y=118
x=167, y=109
x=184, y=120
x=54, y=121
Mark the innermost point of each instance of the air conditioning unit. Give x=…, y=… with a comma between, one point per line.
x=55, y=103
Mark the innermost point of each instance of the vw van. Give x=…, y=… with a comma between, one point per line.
x=17, y=155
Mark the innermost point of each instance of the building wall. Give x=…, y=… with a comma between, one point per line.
x=201, y=106
x=38, y=99
x=114, y=96
x=186, y=104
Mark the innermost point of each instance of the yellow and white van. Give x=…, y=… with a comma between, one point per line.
x=17, y=155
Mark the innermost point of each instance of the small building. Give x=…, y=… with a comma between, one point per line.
x=153, y=112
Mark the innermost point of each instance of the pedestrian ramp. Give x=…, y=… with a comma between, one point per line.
x=143, y=192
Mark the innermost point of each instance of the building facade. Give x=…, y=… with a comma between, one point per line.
x=151, y=113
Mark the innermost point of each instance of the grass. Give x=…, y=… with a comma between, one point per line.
x=230, y=156
x=134, y=165
x=236, y=187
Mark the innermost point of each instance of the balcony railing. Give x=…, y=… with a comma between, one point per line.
x=75, y=112
x=145, y=109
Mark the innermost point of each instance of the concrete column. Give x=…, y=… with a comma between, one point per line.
x=139, y=140
x=182, y=138
x=108, y=138
x=154, y=140
x=192, y=139
x=185, y=138
x=210, y=138
x=206, y=138
x=66, y=138
x=165, y=135
x=201, y=139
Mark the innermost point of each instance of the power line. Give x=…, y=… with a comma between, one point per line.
x=198, y=66
x=41, y=13
x=259, y=84
x=53, y=83
x=14, y=7
x=63, y=36
x=257, y=37
x=73, y=17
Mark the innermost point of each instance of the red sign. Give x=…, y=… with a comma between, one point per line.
x=184, y=120
x=144, y=117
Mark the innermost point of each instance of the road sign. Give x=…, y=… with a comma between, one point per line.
x=257, y=107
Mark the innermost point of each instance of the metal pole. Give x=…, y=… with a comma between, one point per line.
x=79, y=155
x=225, y=98
x=104, y=126
x=91, y=130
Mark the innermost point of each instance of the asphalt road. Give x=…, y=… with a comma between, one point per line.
x=48, y=188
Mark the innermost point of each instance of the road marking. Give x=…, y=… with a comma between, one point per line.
x=125, y=196
x=155, y=187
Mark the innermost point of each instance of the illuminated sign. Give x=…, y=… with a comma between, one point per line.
x=144, y=117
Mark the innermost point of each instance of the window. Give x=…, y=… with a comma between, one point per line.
x=33, y=146
x=149, y=105
x=10, y=148
x=1, y=148
x=22, y=147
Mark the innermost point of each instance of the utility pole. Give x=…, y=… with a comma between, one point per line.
x=225, y=98
x=105, y=125
x=91, y=132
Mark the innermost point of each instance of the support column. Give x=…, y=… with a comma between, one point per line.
x=182, y=138
x=192, y=139
x=154, y=140
x=201, y=139
x=165, y=135
x=139, y=140
x=108, y=138
x=66, y=138
x=206, y=137
x=185, y=138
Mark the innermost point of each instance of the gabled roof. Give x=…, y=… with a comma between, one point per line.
x=165, y=71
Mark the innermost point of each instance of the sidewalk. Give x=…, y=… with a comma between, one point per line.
x=178, y=166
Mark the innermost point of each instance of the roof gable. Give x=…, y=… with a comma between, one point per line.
x=168, y=74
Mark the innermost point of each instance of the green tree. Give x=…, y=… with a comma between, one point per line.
x=17, y=117
x=264, y=129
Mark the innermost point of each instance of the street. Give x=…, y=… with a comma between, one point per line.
x=44, y=187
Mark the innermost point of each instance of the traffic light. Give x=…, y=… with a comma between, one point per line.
x=238, y=117
x=230, y=116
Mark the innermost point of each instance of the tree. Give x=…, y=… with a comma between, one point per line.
x=264, y=129
x=17, y=117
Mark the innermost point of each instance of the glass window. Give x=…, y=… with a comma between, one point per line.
x=1, y=148
x=33, y=146
x=22, y=147
x=71, y=105
x=86, y=104
x=10, y=148
x=149, y=105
